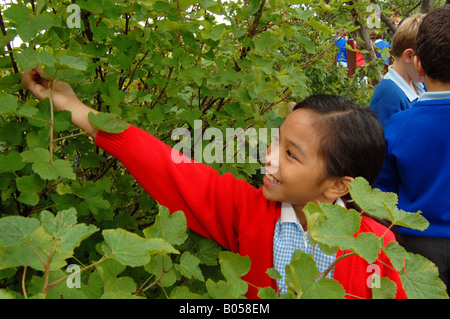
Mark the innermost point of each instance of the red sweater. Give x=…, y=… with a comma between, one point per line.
x=224, y=208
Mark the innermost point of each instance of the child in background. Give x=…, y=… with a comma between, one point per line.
x=417, y=165
x=341, y=56
x=401, y=85
x=379, y=43
x=324, y=143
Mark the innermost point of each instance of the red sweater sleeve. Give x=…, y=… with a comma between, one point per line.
x=210, y=201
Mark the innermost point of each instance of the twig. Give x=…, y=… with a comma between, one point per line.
x=76, y=272
x=45, y=287
x=326, y=272
x=36, y=252
x=23, y=282
x=163, y=89
x=70, y=136
x=52, y=119
x=151, y=285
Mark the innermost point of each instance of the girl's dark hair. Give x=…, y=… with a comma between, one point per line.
x=351, y=138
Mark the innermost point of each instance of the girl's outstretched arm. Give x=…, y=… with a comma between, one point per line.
x=63, y=97
x=215, y=206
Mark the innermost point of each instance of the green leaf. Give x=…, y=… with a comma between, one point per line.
x=60, y=291
x=40, y=159
x=183, y=292
x=5, y=294
x=120, y=285
x=320, y=26
x=419, y=276
x=214, y=33
x=267, y=293
x=171, y=227
x=189, y=266
x=384, y=205
x=373, y=201
x=411, y=220
x=161, y=266
x=58, y=168
x=273, y=273
x=397, y=254
x=74, y=62
x=64, y=228
x=208, y=251
x=93, y=196
x=8, y=104
x=131, y=249
x=34, y=248
x=301, y=277
x=420, y=279
x=15, y=229
x=306, y=43
x=29, y=186
x=11, y=162
x=38, y=154
x=333, y=226
x=368, y=246
x=265, y=41
x=218, y=290
x=27, y=242
x=116, y=295
x=107, y=122
x=233, y=267
x=10, y=80
x=28, y=59
x=387, y=288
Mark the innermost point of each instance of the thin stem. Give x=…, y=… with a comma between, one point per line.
x=36, y=252
x=36, y=118
x=23, y=282
x=326, y=272
x=52, y=122
x=70, y=136
x=151, y=285
x=76, y=272
x=47, y=272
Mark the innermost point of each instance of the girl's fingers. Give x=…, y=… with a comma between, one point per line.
x=32, y=81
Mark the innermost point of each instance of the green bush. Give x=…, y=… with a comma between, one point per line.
x=159, y=65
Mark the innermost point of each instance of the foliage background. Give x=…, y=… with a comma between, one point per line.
x=159, y=65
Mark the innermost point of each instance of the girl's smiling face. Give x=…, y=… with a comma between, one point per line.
x=295, y=171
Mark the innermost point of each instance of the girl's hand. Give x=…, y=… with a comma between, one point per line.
x=63, y=97
x=37, y=83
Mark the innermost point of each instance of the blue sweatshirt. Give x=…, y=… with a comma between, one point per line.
x=417, y=165
x=393, y=95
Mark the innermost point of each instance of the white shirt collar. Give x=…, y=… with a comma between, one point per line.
x=397, y=79
x=435, y=96
x=288, y=214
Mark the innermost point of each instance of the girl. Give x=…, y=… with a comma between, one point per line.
x=323, y=144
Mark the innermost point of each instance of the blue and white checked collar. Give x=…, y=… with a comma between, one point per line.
x=289, y=236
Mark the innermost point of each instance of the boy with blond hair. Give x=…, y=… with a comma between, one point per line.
x=401, y=85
